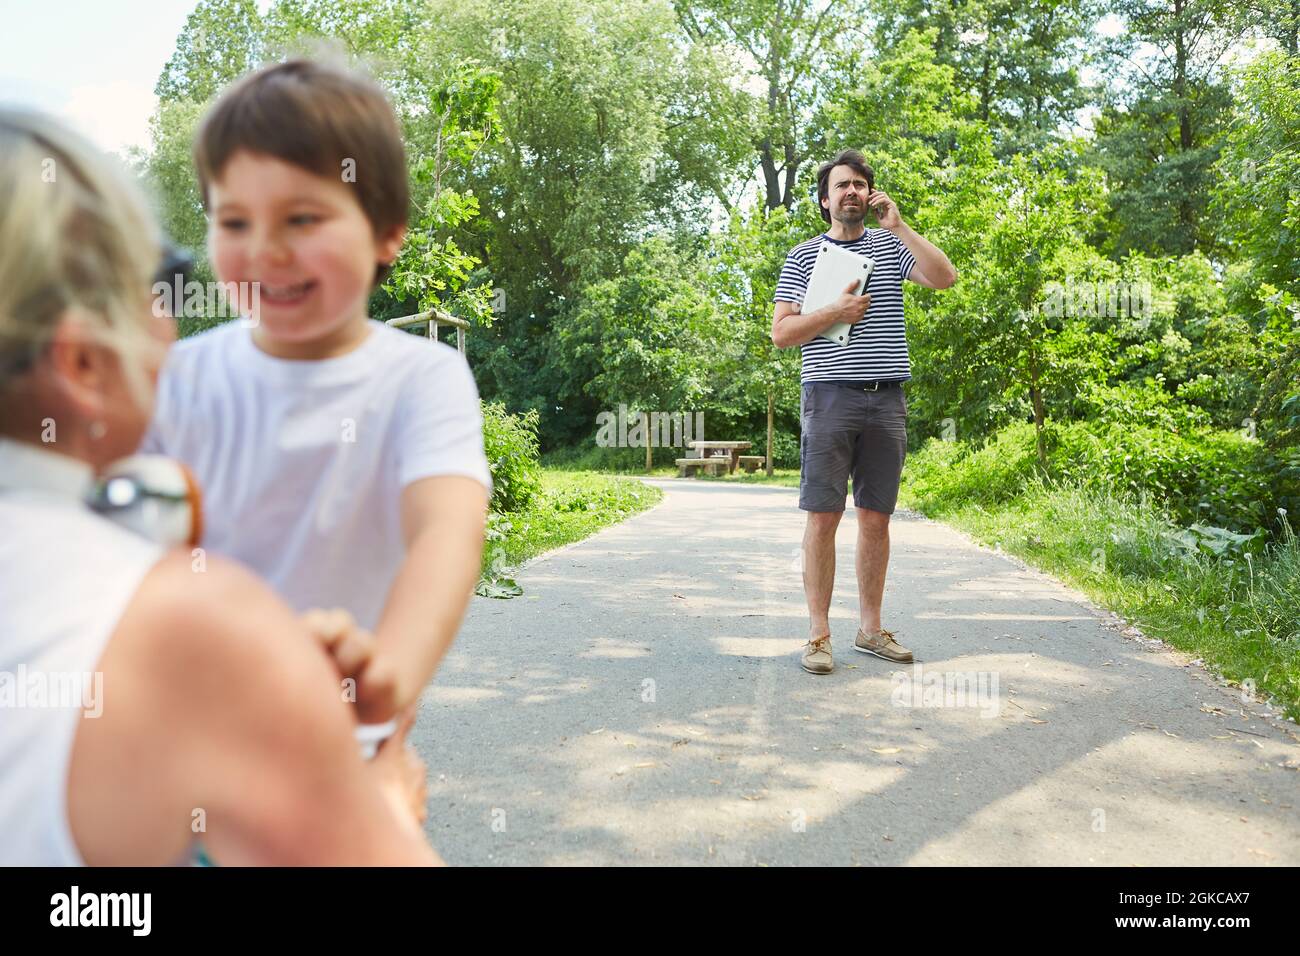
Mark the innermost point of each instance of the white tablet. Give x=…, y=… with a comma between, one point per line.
x=835, y=268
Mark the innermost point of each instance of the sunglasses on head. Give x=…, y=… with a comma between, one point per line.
x=176, y=263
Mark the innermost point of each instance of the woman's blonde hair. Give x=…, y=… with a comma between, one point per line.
x=76, y=238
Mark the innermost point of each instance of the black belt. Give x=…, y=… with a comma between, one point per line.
x=864, y=386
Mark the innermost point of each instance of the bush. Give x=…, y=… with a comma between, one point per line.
x=1146, y=403
x=1239, y=610
x=785, y=444
x=510, y=442
x=592, y=457
x=1204, y=476
x=1275, y=591
x=945, y=473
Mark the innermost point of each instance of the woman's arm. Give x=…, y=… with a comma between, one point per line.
x=223, y=721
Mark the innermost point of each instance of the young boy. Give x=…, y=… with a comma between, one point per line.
x=340, y=459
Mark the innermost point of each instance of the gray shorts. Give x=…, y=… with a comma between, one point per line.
x=851, y=432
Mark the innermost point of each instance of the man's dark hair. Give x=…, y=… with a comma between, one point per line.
x=845, y=157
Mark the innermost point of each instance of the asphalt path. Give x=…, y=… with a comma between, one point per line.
x=642, y=703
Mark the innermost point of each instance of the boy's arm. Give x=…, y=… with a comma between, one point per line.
x=443, y=520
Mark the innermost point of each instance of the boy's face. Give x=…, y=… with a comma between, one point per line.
x=303, y=237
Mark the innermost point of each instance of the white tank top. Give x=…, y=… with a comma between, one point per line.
x=66, y=577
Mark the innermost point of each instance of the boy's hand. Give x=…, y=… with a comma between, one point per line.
x=351, y=646
x=356, y=655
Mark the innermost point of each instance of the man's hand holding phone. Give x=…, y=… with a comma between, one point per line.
x=884, y=209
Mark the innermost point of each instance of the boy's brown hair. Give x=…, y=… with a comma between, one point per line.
x=316, y=116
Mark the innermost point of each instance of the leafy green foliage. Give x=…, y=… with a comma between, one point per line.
x=583, y=189
x=1196, y=475
x=432, y=268
x=510, y=442
x=220, y=41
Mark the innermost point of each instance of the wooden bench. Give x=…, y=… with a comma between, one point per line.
x=751, y=463
x=714, y=466
x=730, y=450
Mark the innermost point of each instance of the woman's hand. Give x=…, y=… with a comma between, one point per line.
x=402, y=774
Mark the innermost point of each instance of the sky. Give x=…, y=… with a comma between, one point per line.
x=93, y=63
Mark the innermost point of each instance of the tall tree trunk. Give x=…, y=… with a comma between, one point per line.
x=1186, y=212
x=1036, y=393
x=770, y=179
x=771, y=409
x=649, y=449
x=791, y=170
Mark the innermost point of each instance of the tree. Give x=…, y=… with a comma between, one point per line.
x=221, y=41
x=994, y=346
x=747, y=258
x=169, y=170
x=911, y=150
x=1157, y=132
x=1257, y=202
x=432, y=267
x=612, y=128
x=789, y=46
x=1277, y=19
x=1019, y=61
x=646, y=339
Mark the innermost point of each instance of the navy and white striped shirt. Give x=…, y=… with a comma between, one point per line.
x=877, y=347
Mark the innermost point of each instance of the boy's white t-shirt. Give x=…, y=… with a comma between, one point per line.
x=302, y=463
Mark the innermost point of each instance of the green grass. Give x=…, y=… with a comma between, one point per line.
x=785, y=477
x=1239, y=614
x=572, y=505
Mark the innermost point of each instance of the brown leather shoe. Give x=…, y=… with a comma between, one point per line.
x=882, y=645
x=817, y=656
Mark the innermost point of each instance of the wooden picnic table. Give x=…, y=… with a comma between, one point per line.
x=722, y=449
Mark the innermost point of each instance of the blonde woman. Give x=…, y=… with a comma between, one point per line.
x=206, y=723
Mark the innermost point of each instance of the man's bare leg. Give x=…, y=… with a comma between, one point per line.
x=872, y=563
x=819, y=568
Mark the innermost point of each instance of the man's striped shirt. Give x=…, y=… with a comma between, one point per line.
x=877, y=347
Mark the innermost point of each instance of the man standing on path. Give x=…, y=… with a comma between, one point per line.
x=853, y=413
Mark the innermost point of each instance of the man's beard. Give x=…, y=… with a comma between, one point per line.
x=851, y=215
